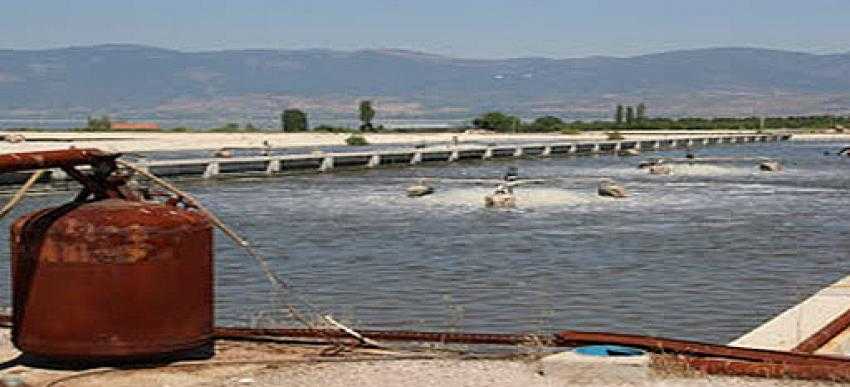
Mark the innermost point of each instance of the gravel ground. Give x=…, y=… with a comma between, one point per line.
x=292, y=364
x=410, y=373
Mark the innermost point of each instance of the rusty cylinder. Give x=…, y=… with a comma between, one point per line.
x=111, y=279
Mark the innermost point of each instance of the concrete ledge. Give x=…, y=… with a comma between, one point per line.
x=790, y=328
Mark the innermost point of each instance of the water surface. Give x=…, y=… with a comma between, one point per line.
x=708, y=253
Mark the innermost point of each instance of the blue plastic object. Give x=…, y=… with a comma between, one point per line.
x=609, y=350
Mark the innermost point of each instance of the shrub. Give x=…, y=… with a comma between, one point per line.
x=356, y=140
x=546, y=124
x=497, y=121
x=101, y=124
x=571, y=131
x=615, y=135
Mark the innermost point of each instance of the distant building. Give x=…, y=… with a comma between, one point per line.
x=124, y=125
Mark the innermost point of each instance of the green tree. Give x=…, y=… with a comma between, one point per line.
x=293, y=120
x=615, y=135
x=630, y=115
x=367, y=113
x=547, y=124
x=641, y=112
x=618, y=117
x=497, y=121
x=99, y=124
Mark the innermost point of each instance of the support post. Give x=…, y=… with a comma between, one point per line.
x=547, y=151
x=416, y=159
x=212, y=170
x=327, y=164
x=454, y=156
x=374, y=161
x=518, y=151
x=488, y=154
x=273, y=167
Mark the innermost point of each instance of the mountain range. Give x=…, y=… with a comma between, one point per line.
x=142, y=81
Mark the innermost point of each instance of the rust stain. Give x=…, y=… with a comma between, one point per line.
x=14, y=162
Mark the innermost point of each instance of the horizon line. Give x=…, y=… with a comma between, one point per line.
x=399, y=50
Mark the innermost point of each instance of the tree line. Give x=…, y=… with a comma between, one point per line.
x=630, y=117
x=625, y=117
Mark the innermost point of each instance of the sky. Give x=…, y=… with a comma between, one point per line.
x=460, y=28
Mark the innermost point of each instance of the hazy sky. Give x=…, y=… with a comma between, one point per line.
x=468, y=28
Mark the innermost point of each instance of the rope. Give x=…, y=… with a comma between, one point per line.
x=16, y=199
x=262, y=261
x=192, y=201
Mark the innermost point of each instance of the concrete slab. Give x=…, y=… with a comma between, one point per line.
x=787, y=330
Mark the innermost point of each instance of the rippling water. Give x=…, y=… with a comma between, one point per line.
x=708, y=253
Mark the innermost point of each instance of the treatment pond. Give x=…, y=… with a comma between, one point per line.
x=707, y=253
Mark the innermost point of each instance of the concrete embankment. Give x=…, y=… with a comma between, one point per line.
x=788, y=330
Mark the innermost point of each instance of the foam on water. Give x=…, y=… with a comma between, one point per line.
x=526, y=197
x=714, y=170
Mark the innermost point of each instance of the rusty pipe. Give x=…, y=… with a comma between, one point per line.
x=729, y=367
x=433, y=337
x=824, y=335
x=13, y=162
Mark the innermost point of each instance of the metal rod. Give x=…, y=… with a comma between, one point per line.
x=824, y=335
x=420, y=336
x=13, y=162
x=729, y=367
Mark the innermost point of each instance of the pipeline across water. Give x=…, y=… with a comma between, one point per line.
x=707, y=254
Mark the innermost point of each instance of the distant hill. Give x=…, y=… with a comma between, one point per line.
x=132, y=80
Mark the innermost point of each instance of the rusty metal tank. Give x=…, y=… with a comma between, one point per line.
x=110, y=278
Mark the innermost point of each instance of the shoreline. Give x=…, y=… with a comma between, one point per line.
x=157, y=141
